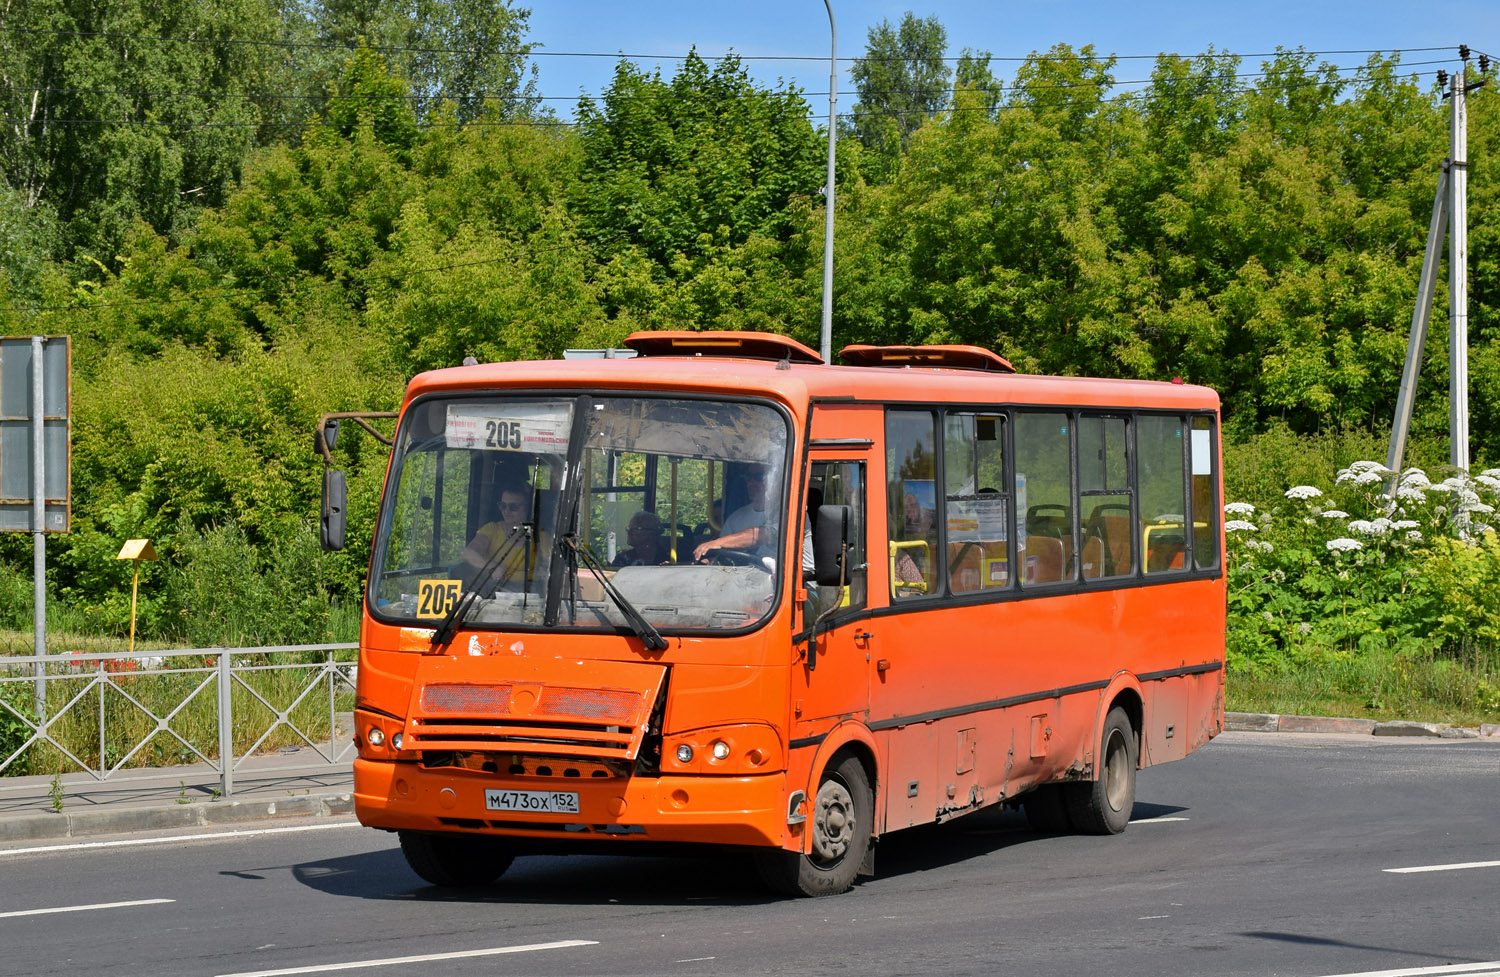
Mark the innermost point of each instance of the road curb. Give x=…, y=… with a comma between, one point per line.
x=1266, y=722
x=81, y=824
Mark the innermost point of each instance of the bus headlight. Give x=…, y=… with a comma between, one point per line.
x=375, y=737
x=743, y=749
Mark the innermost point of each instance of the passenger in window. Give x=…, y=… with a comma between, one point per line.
x=527, y=549
x=648, y=547
x=918, y=519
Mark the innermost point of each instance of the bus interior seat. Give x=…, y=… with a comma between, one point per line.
x=1044, y=559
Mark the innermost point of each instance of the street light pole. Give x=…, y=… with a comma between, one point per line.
x=833, y=95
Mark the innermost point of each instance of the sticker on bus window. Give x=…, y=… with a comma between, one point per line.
x=1203, y=463
x=436, y=597
x=528, y=428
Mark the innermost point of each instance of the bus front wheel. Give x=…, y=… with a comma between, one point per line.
x=1102, y=806
x=455, y=860
x=840, y=822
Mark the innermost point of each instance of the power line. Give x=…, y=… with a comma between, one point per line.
x=523, y=97
x=528, y=50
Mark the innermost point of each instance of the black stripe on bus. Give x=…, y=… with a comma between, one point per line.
x=1009, y=701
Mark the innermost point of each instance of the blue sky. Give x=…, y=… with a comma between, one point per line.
x=662, y=31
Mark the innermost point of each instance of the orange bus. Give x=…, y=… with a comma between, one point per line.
x=723, y=593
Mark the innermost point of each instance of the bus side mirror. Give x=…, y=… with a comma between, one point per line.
x=830, y=541
x=335, y=495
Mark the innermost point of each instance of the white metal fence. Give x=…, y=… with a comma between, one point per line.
x=108, y=713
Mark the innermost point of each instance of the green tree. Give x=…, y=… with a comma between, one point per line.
x=704, y=159
x=126, y=111
x=903, y=81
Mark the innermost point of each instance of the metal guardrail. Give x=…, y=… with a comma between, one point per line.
x=231, y=672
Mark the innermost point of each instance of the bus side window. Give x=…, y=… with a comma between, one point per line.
x=911, y=499
x=1044, y=494
x=1161, y=474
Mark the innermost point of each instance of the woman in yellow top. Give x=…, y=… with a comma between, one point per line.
x=524, y=563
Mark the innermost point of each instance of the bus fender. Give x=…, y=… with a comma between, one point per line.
x=1123, y=684
x=846, y=734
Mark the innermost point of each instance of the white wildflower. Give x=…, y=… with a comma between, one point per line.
x=1453, y=483
x=1278, y=576
x=1303, y=492
x=1363, y=473
x=1259, y=545
x=1488, y=481
x=1362, y=526
x=1411, y=493
x=1335, y=514
x=1482, y=508
x=1304, y=629
x=1268, y=615
x=1413, y=535
x=1405, y=524
x=1416, y=477
x=1238, y=509
x=1380, y=526
x=1491, y=472
x=1345, y=545
x=1238, y=525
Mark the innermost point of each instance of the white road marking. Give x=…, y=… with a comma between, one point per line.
x=1488, y=969
x=1441, y=868
x=1139, y=918
x=422, y=958
x=82, y=845
x=696, y=959
x=80, y=909
x=1159, y=820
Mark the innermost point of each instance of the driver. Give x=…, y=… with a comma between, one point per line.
x=525, y=561
x=746, y=527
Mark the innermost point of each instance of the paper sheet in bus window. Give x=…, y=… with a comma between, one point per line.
x=1203, y=463
x=529, y=428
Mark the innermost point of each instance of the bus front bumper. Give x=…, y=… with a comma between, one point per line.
x=700, y=810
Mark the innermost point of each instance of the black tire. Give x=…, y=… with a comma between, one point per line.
x=840, y=819
x=455, y=860
x=1047, y=810
x=1102, y=806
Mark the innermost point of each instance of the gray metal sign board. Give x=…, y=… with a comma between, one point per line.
x=16, y=477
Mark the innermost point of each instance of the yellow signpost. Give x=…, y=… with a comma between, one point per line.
x=135, y=550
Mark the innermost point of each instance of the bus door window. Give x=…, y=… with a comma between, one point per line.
x=1044, y=497
x=1161, y=476
x=1104, y=497
x=911, y=494
x=837, y=483
x=976, y=503
x=1205, y=485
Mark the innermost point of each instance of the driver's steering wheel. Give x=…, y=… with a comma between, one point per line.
x=737, y=558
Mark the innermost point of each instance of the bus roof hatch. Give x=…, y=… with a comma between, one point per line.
x=956, y=357
x=751, y=345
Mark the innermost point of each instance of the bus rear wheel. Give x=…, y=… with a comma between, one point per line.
x=840, y=822
x=455, y=860
x=1102, y=806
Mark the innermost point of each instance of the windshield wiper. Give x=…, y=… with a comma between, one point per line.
x=449, y=625
x=643, y=628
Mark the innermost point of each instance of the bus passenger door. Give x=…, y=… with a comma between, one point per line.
x=832, y=683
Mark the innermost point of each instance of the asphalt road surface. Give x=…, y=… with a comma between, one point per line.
x=1263, y=854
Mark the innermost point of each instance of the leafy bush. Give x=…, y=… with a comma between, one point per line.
x=1352, y=575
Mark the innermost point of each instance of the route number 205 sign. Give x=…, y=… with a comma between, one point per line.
x=529, y=428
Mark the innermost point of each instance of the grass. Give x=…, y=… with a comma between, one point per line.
x=1460, y=691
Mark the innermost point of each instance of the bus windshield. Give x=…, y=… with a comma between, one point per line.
x=539, y=507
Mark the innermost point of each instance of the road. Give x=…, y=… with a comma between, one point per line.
x=1263, y=854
